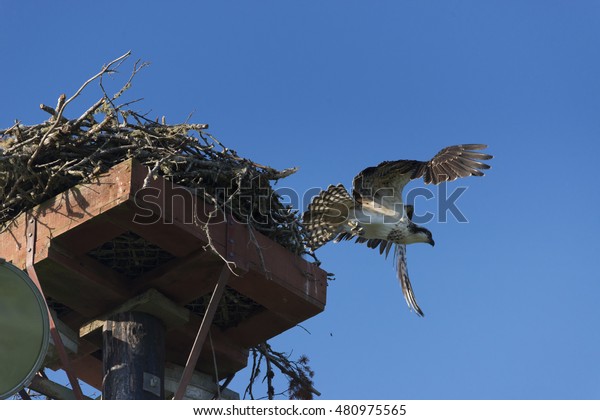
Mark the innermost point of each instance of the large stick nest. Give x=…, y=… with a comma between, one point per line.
x=42, y=160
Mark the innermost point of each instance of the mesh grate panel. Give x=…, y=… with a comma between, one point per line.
x=130, y=255
x=233, y=308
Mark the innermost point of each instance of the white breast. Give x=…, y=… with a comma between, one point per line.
x=376, y=225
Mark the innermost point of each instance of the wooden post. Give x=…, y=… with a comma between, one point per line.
x=133, y=357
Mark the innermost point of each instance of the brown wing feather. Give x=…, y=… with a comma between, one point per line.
x=384, y=183
x=453, y=162
x=326, y=214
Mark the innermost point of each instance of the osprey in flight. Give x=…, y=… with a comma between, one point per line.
x=375, y=213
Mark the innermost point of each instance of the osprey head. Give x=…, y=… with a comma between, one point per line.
x=419, y=234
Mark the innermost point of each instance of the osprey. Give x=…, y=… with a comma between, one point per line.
x=375, y=213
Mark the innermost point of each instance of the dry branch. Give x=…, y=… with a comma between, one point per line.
x=298, y=373
x=42, y=160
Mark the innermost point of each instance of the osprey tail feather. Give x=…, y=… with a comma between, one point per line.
x=327, y=215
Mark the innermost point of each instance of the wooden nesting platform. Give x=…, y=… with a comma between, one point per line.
x=103, y=245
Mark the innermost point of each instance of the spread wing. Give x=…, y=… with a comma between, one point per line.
x=382, y=184
x=453, y=162
x=326, y=215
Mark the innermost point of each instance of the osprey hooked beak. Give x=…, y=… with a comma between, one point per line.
x=431, y=242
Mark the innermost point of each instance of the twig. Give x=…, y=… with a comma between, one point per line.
x=270, y=374
x=254, y=372
x=88, y=112
x=62, y=103
x=50, y=111
x=289, y=369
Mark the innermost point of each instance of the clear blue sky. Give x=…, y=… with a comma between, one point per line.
x=512, y=297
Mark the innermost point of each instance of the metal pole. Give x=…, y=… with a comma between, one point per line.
x=207, y=320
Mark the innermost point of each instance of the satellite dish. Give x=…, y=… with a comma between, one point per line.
x=24, y=329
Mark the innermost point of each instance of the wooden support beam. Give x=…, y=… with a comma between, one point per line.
x=201, y=387
x=151, y=302
x=180, y=276
x=133, y=357
x=289, y=288
x=52, y=389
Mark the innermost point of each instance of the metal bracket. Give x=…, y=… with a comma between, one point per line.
x=207, y=320
x=235, y=252
x=151, y=383
x=31, y=234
